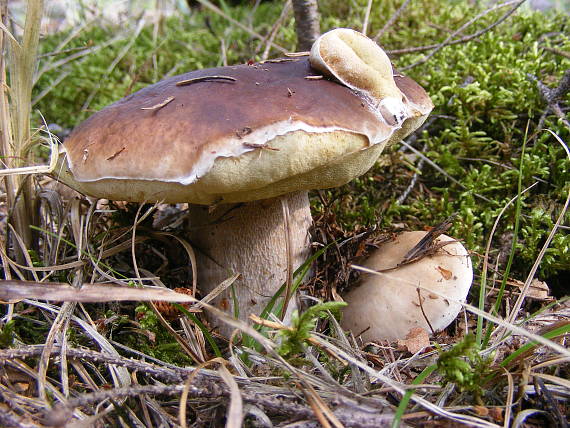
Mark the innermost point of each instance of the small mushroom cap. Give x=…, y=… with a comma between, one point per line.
x=356, y=61
x=387, y=307
x=268, y=132
x=359, y=63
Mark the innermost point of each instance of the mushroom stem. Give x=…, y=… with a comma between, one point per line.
x=250, y=239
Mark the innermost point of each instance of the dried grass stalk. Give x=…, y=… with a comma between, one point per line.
x=15, y=110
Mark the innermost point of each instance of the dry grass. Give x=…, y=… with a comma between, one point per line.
x=73, y=363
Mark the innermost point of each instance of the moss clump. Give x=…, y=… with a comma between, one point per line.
x=464, y=366
x=157, y=342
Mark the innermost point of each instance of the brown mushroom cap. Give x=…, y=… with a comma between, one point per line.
x=268, y=133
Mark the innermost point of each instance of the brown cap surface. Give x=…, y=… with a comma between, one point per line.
x=268, y=132
x=416, y=95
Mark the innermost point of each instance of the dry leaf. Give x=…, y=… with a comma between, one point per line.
x=538, y=290
x=416, y=339
x=481, y=410
x=447, y=274
x=496, y=414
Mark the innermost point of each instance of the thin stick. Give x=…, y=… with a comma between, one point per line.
x=205, y=79
x=297, y=54
x=556, y=51
x=159, y=105
x=392, y=19
x=423, y=312
x=217, y=10
x=118, y=58
x=366, y=17
x=273, y=33
x=463, y=39
x=449, y=40
x=439, y=169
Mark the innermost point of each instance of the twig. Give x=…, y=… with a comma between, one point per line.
x=414, y=180
x=282, y=404
x=555, y=95
x=206, y=79
x=552, y=98
x=118, y=58
x=278, y=60
x=412, y=184
x=392, y=19
x=275, y=29
x=441, y=170
x=447, y=41
x=297, y=54
x=159, y=105
x=218, y=11
x=366, y=17
x=424, y=312
x=464, y=39
x=556, y=51
x=165, y=374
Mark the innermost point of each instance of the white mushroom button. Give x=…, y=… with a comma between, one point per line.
x=387, y=306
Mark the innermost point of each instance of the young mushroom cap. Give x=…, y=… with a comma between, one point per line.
x=387, y=306
x=263, y=134
x=359, y=63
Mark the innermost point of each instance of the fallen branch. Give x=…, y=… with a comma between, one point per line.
x=553, y=98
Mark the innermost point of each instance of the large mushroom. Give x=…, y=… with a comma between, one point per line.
x=244, y=144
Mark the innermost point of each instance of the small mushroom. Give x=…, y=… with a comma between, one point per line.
x=365, y=68
x=244, y=144
x=387, y=306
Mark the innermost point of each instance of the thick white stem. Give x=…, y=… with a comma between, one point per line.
x=249, y=239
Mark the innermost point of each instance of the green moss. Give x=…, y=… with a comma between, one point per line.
x=464, y=366
x=7, y=332
x=163, y=346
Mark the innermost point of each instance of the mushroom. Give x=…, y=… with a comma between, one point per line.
x=243, y=145
x=387, y=306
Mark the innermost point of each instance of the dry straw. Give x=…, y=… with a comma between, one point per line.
x=16, y=80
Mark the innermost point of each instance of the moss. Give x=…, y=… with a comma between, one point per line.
x=162, y=345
